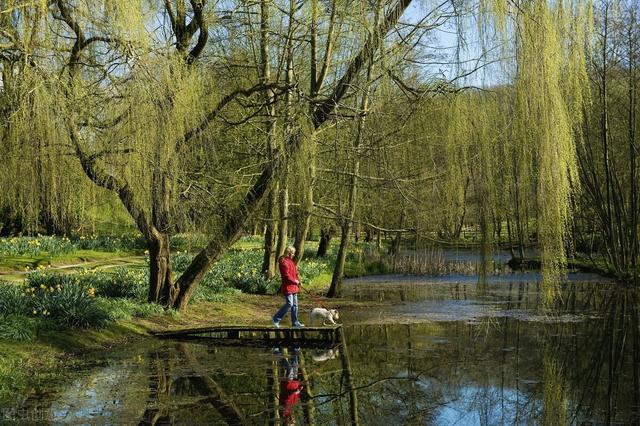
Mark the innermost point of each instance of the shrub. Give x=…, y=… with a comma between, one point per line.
x=240, y=269
x=18, y=327
x=35, y=246
x=64, y=299
x=180, y=261
x=125, y=242
x=12, y=300
x=55, y=245
x=120, y=282
x=309, y=269
x=255, y=284
x=186, y=242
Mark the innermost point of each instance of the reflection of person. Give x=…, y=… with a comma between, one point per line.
x=289, y=288
x=290, y=388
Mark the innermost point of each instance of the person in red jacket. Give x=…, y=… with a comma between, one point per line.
x=290, y=388
x=289, y=288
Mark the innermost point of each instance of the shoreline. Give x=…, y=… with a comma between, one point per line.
x=26, y=367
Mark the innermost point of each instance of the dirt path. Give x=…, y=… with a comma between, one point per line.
x=99, y=264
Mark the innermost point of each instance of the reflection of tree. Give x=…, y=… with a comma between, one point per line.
x=217, y=396
x=347, y=375
x=164, y=386
x=307, y=393
x=603, y=353
x=272, y=393
x=546, y=370
x=159, y=389
x=554, y=388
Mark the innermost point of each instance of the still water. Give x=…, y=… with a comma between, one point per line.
x=447, y=351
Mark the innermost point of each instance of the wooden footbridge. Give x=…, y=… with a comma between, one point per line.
x=258, y=334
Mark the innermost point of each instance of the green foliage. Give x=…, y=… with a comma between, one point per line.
x=124, y=282
x=240, y=269
x=64, y=299
x=12, y=300
x=126, y=309
x=205, y=293
x=35, y=246
x=188, y=242
x=18, y=327
x=54, y=245
x=311, y=268
x=125, y=242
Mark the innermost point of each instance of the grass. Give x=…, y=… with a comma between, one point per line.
x=319, y=284
x=24, y=367
x=14, y=268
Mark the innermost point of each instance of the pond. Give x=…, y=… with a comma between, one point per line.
x=448, y=351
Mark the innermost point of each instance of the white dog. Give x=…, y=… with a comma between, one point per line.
x=328, y=315
x=325, y=355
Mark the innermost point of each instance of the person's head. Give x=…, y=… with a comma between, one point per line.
x=290, y=252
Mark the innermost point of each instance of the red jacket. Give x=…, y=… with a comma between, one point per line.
x=290, y=277
x=289, y=396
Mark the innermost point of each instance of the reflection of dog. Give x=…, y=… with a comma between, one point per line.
x=324, y=355
x=328, y=315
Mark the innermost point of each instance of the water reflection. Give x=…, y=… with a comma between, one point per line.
x=574, y=364
x=195, y=383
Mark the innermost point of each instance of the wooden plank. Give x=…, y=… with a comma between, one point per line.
x=234, y=329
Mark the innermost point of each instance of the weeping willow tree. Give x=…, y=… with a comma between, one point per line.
x=548, y=89
x=456, y=168
x=41, y=181
x=137, y=110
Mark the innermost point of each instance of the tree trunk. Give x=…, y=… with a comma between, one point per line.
x=394, y=249
x=269, y=258
x=335, y=289
x=326, y=233
x=289, y=134
x=348, y=376
x=189, y=280
x=160, y=270
x=283, y=223
x=304, y=218
x=269, y=254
